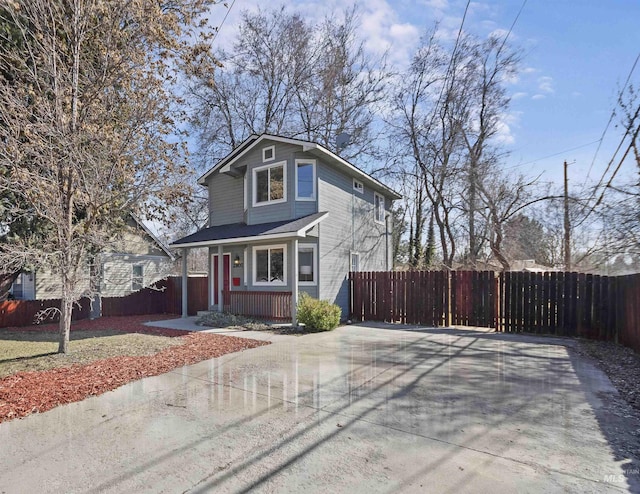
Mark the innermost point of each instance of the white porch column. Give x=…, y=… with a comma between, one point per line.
x=294, y=283
x=211, y=272
x=220, y=278
x=185, y=283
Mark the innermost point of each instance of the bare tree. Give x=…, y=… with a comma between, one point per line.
x=448, y=111
x=290, y=77
x=504, y=200
x=88, y=125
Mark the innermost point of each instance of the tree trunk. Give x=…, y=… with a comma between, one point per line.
x=6, y=280
x=66, y=309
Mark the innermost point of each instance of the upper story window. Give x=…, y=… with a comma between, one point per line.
x=269, y=184
x=268, y=154
x=378, y=207
x=305, y=180
x=358, y=186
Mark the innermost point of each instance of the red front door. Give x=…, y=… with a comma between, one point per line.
x=225, y=275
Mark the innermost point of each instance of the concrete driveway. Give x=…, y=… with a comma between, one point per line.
x=361, y=409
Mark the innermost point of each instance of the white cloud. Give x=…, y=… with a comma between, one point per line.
x=529, y=70
x=545, y=84
x=576, y=94
x=502, y=33
x=383, y=32
x=504, y=133
x=518, y=95
x=440, y=5
x=538, y=96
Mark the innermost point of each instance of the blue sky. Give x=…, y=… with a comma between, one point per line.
x=576, y=56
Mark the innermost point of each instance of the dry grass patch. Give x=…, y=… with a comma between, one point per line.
x=104, y=354
x=36, y=351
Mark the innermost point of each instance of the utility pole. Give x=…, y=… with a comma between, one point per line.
x=567, y=225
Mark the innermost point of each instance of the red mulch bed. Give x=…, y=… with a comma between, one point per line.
x=30, y=392
x=126, y=324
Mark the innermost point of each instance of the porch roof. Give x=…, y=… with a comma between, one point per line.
x=235, y=233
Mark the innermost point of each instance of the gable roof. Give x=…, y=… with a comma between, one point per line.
x=241, y=232
x=155, y=239
x=224, y=165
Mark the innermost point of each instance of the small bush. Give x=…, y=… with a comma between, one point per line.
x=318, y=315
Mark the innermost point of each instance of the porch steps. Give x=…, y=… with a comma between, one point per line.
x=204, y=313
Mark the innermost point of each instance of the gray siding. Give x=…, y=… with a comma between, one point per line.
x=226, y=197
x=285, y=210
x=349, y=228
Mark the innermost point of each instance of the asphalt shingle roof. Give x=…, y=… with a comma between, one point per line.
x=242, y=230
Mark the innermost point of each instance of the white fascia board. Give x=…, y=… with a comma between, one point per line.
x=203, y=178
x=368, y=178
x=306, y=146
x=160, y=243
x=302, y=233
x=239, y=240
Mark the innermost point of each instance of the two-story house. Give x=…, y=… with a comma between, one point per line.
x=287, y=216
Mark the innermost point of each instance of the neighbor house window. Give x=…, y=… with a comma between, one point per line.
x=137, y=277
x=269, y=184
x=357, y=186
x=269, y=265
x=355, y=262
x=268, y=154
x=307, y=264
x=378, y=207
x=305, y=180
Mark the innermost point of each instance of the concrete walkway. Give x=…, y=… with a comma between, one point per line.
x=357, y=410
x=189, y=324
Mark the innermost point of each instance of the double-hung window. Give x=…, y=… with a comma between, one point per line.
x=307, y=254
x=378, y=207
x=305, y=180
x=355, y=262
x=270, y=265
x=269, y=184
x=137, y=277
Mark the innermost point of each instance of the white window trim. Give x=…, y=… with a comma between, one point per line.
x=254, y=187
x=255, y=265
x=133, y=266
x=245, y=199
x=356, y=183
x=313, y=164
x=244, y=267
x=314, y=267
x=375, y=209
x=264, y=152
x=351, y=254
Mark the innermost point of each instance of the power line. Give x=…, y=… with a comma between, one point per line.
x=513, y=25
x=223, y=19
x=553, y=155
x=624, y=137
x=613, y=114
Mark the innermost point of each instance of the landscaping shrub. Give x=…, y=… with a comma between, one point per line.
x=318, y=315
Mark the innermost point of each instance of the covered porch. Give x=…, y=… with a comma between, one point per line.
x=257, y=270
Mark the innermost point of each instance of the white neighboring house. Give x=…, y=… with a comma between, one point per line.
x=135, y=260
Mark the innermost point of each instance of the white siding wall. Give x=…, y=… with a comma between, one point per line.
x=117, y=273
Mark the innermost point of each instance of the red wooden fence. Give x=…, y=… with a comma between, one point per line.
x=565, y=304
x=24, y=312
x=408, y=297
